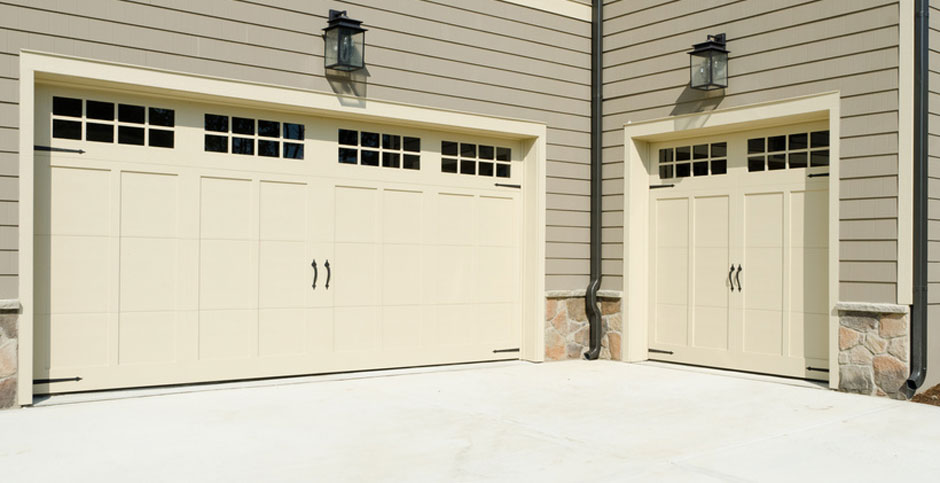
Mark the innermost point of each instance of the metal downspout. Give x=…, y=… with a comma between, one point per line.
x=590, y=297
x=919, y=308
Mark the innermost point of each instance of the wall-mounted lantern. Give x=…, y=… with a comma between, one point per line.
x=344, y=42
x=709, y=64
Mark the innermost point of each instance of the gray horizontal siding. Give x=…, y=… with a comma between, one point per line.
x=779, y=49
x=487, y=56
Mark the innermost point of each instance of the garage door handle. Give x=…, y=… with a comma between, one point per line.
x=737, y=277
x=731, y=282
x=315, y=273
x=329, y=274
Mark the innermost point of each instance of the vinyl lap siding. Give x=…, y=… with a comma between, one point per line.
x=933, y=207
x=486, y=56
x=779, y=49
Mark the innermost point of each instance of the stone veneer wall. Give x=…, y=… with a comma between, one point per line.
x=8, y=358
x=567, y=331
x=874, y=349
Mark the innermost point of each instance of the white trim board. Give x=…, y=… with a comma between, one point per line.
x=637, y=137
x=567, y=8
x=51, y=68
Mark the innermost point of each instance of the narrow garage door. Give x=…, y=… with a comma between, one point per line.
x=739, y=250
x=179, y=242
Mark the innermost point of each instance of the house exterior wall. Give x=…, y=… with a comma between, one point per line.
x=933, y=208
x=787, y=49
x=488, y=57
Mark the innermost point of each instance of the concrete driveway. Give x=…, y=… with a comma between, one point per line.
x=565, y=421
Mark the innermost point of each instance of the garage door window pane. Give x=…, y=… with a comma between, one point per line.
x=66, y=129
x=755, y=146
x=820, y=139
x=294, y=131
x=468, y=167
x=131, y=114
x=503, y=171
x=293, y=151
x=487, y=152
x=370, y=158
x=391, y=160
x=100, y=110
x=755, y=163
x=411, y=161
x=348, y=156
x=797, y=160
x=776, y=143
x=468, y=150
x=271, y=149
x=216, y=144
x=216, y=123
x=719, y=166
x=486, y=169
x=241, y=125
x=683, y=170
x=160, y=138
x=719, y=150
x=243, y=146
x=269, y=129
x=131, y=135
x=683, y=153
x=665, y=171
x=66, y=106
x=503, y=154
x=700, y=168
x=798, y=141
x=776, y=161
x=820, y=158
x=370, y=140
x=700, y=151
x=348, y=138
x=162, y=117
x=390, y=141
x=102, y=133
x=412, y=144
x=448, y=148
x=449, y=165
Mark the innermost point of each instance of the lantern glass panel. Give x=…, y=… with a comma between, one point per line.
x=719, y=69
x=344, y=48
x=701, y=70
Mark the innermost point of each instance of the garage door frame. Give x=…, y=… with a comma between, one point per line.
x=637, y=162
x=38, y=67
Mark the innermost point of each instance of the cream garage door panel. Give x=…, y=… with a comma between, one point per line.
x=201, y=264
x=739, y=277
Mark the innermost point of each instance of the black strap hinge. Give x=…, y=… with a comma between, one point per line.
x=498, y=351
x=659, y=351
x=658, y=186
x=61, y=379
x=506, y=185
x=58, y=150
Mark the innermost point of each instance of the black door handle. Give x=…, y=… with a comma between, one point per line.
x=737, y=277
x=329, y=273
x=731, y=282
x=315, y=273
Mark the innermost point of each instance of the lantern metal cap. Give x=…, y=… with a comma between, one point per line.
x=338, y=18
x=715, y=43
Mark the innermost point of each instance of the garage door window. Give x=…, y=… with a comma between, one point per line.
x=249, y=136
x=793, y=151
x=379, y=149
x=135, y=125
x=475, y=159
x=694, y=160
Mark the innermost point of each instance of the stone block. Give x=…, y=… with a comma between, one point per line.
x=613, y=342
x=875, y=344
x=605, y=354
x=890, y=373
x=7, y=392
x=8, y=359
x=859, y=321
x=582, y=336
x=848, y=338
x=900, y=348
x=551, y=308
x=615, y=322
x=610, y=307
x=576, y=309
x=893, y=325
x=574, y=351
x=857, y=379
x=554, y=346
x=560, y=322
x=8, y=325
x=859, y=355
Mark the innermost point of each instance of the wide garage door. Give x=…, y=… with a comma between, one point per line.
x=739, y=251
x=182, y=242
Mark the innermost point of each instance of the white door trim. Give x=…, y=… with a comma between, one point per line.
x=638, y=136
x=44, y=67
